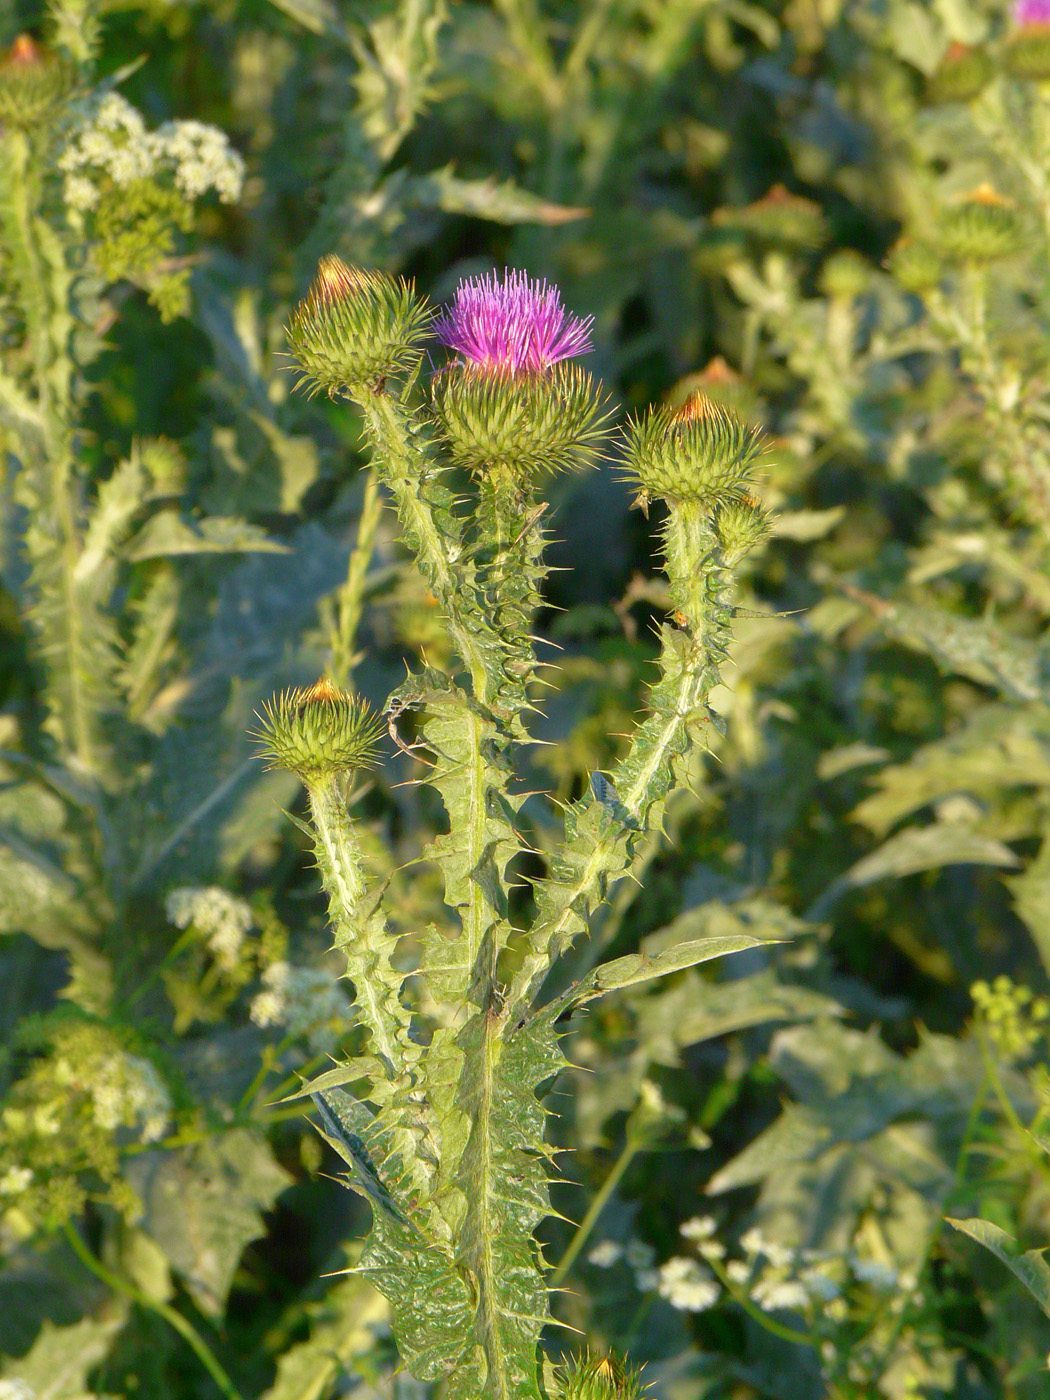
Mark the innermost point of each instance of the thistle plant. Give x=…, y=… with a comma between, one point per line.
x=438, y=1118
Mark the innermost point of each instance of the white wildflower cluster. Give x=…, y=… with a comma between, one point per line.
x=12, y=1183
x=222, y=918
x=113, y=144
x=125, y=1091
x=16, y=1389
x=687, y=1285
x=305, y=1000
x=779, y=1278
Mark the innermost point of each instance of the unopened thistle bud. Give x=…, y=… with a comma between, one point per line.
x=699, y=452
x=511, y=400
x=1026, y=54
x=962, y=74
x=982, y=227
x=607, y=1378
x=318, y=733
x=845, y=275
x=354, y=327
x=740, y=526
x=779, y=217
x=916, y=265
x=34, y=83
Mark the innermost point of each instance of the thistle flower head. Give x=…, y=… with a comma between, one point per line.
x=511, y=325
x=34, y=83
x=980, y=228
x=699, y=452
x=1029, y=12
x=527, y=424
x=354, y=327
x=318, y=732
x=1026, y=53
x=601, y=1378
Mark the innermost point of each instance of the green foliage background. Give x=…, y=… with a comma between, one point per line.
x=725, y=187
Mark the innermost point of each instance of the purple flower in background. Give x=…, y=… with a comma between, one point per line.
x=512, y=326
x=1029, y=12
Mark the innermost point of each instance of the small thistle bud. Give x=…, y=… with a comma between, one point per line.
x=354, y=327
x=845, y=275
x=699, y=452
x=604, y=1378
x=740, y=525
x=962, y=74
x=980, y=228
x=722, y=385
x=34, y=83
x=917, y=266
x=1026, y=54
x=779, y=217
x=511, y=400
x=318, y=732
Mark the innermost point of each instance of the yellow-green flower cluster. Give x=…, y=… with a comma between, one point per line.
x=65, y=1122
x=1011, y=1016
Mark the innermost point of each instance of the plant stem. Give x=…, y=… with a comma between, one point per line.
x=778, y=1329
x=350, y=602
x=594, y=1210
x=174, y=1319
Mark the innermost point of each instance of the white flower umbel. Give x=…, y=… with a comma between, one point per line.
x=605, y=1255
x=687, y=1285
x=221, y=918
x=305, y=1000
x=113, y=144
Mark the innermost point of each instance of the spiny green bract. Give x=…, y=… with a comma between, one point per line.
x=962, y=74
x=1027, y=53
x=740, y=525
x=699, y=452
x=982, y=227
x=318, y=732
x=604, y=1378
x=355, y=327
x=34, y=83
x=530, y=422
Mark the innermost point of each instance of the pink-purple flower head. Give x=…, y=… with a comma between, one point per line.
x=512, y=325
x=1030, y=12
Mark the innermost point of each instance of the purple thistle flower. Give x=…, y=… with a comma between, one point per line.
x=1029, y=12
x=512, y=326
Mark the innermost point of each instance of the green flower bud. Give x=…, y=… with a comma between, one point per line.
x=699, y=452
x=779, y=217
x=722, y=385
x=962, y=74
x=917, y=266
x=529, y=422
x=740, y=525
x=981, y=228
x=845, y=275
x=1026, y=54
x=34, y=83
x=318, y=732
x=354, y=327
x=607, y=1378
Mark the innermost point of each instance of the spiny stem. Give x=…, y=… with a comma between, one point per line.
x=339, y=860
x=409, y=475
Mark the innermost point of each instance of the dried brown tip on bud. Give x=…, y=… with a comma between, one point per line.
x=25, y=51
x=988, y=195
x=336, y=279
x=697, y=408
